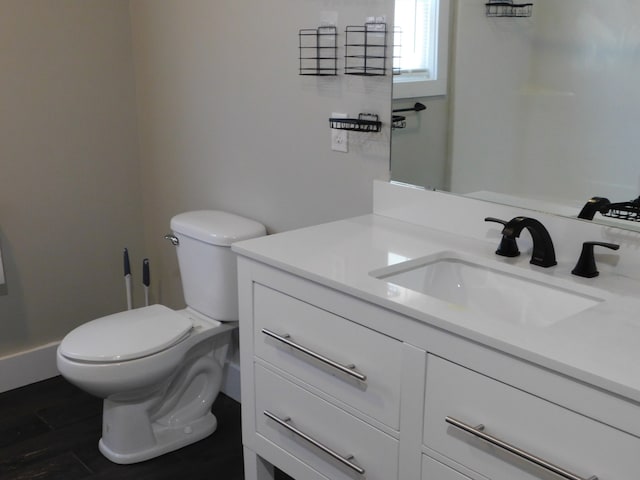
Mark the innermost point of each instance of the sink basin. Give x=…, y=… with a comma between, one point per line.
x=487, y=290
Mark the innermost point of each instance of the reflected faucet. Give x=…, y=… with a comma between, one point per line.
x=543, y=253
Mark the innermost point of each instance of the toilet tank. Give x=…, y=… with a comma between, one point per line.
x=207, y=264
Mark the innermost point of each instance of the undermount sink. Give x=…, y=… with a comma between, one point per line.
x=479, y=288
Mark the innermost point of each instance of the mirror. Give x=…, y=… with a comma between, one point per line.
x=541, y=112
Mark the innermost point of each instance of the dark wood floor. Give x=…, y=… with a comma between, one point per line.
x=50, y=431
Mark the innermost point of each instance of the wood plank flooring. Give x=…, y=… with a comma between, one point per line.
x=50, y=430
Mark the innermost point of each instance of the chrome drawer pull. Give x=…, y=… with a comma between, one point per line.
x=477, y=432
x=344, y=460
x=347, y=369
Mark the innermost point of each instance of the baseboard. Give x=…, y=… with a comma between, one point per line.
x=231, y=381
x=27, y=367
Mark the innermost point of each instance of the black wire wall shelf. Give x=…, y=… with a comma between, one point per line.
x=366, y=122
x=397, y=51
x=629, y=211
x=398, y=122
x=366, y=49
x=318, y=51
x=508, y=9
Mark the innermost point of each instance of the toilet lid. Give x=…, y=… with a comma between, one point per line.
x=126, y=335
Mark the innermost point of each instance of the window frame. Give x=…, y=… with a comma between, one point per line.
x=414, y=85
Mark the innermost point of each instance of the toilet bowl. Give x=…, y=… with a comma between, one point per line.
x=157, y=399
x=160, y=370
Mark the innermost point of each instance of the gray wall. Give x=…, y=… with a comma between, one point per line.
x=419, y=152
x=69, y=182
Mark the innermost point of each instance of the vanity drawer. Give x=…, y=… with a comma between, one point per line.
x=434, y=470
x=321, y=348
x=285, y=413
x=574, y=443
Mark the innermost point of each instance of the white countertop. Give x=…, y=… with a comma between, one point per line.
x=600, y=346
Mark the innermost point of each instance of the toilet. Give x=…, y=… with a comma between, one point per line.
x=159, y=370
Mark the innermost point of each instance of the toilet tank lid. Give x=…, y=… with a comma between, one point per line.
x=126, y=335
x=216, y=227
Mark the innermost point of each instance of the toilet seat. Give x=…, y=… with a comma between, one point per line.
x=127, y=335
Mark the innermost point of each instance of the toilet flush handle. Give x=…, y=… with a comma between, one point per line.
x=174, y=240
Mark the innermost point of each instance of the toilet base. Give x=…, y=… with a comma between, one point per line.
x=167, y=440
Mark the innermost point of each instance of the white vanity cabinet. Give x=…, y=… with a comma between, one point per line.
x=335, y=387
x=485, y=424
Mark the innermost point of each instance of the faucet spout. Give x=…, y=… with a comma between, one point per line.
x=543, y=253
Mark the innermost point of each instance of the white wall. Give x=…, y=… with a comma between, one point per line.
x=226, y=122
x=544, y=106
x=69, y=187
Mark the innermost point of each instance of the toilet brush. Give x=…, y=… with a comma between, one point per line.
x=127, y=279
x=146, y=280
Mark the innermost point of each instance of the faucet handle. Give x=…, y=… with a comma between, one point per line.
x=586, y=266
x=508, y=246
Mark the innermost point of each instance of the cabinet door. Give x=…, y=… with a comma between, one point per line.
x=545, y=431
x=324, y=437
x=281, y=321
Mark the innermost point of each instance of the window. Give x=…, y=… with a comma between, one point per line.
x=422, y=29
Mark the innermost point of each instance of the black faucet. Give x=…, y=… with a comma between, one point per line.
x=543, y=253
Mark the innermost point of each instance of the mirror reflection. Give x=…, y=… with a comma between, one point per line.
x=541, y=111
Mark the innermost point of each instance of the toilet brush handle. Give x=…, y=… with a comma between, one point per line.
x=127, y=278
x=146, y=280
